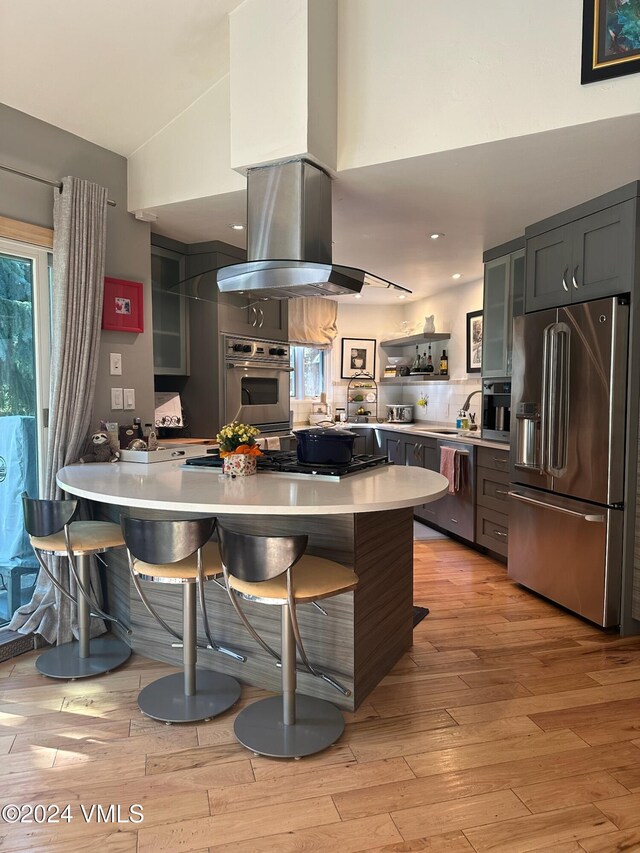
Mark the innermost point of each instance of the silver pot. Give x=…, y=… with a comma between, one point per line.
x=399, y=413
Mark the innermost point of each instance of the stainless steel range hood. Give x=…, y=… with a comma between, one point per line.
x=289, y=238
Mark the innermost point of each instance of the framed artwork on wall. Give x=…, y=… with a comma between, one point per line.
x=610, y=39
x=358, y=356
x=474, y=342
x=122, y=309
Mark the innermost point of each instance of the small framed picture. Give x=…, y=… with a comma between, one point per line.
x=122, y=309
x=358, y=356
x=474, y=342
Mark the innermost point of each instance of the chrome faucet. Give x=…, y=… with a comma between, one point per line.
x=465, y=407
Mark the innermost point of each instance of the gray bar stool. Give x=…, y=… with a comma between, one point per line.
x=179, y=551
x=52, y=530
x=275, y=570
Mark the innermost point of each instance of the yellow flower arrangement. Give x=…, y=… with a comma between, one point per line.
x=238, y=438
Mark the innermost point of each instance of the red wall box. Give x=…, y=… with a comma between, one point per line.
x=122, y=309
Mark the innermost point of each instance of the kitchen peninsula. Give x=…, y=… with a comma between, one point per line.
x=364, y=521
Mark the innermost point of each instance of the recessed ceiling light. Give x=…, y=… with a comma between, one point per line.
x=402, y=296
x=457, y=275
x=357, y=296
x=236, y=226
x=436, y=236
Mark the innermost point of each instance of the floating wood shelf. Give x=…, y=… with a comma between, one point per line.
x=416, y=339
x=414, y=379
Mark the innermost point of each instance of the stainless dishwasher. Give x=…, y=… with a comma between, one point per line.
x=456, y=513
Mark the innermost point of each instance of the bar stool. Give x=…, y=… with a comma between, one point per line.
x=274, y=570
x=179, y=552
x=52, y=530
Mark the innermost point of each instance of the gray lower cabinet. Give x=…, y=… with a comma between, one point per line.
x=492, y=501
x=588, y=258
x=363, y=442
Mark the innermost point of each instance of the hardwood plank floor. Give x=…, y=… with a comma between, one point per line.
x=510, y=727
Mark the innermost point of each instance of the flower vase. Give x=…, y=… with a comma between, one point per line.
x=239, y=465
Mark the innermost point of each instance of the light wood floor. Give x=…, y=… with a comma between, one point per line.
x=511, y=726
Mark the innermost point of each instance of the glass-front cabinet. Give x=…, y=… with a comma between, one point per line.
x=503, y=299
x=170, y=314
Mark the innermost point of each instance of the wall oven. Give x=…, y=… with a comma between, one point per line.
x=256, y=383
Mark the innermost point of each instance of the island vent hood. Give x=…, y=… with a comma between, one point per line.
x=289, y=238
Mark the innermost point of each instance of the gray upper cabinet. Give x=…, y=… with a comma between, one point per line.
x=603, y=247
x=170, y=314
x=242, y=315
x=588, y=258
x=503, y=296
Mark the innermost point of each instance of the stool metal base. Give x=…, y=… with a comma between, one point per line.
x=105, y=653
x=165, y=699
x=260, y=727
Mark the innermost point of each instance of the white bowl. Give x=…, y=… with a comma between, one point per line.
x=398, y=361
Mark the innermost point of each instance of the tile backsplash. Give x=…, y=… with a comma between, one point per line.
x=445, y=399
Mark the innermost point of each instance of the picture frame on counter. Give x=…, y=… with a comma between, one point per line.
x=474, y=341
x=610, y=39
x=358, y=356
x=122, y=308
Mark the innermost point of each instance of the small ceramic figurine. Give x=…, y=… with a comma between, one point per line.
x=101, y=450
x=429, y=324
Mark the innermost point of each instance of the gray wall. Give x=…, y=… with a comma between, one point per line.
x=42, y=149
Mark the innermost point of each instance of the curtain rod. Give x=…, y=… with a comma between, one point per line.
x=41, y=180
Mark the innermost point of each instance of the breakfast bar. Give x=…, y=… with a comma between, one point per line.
x=364, y=522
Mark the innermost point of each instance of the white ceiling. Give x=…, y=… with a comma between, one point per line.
x=113, y=72
x=116, y=73
x=478, y=197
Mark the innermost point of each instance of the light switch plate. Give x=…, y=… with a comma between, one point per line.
x=116, y=398
x=129, y=398
x=115, y=364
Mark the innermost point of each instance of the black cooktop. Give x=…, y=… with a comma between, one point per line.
x=286, y=462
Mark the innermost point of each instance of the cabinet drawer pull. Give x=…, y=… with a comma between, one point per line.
x=498, y=533
x=501, y=492
x=254, y=314
x=261, y=322
x=455, y=520
x=573, y=277
x=499, y=460
x=564, y=280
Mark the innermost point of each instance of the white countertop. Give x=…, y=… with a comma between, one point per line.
x=429, y=430
x=169, y=487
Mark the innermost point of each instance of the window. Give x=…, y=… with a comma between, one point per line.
x=24, y=387
x=308, y=375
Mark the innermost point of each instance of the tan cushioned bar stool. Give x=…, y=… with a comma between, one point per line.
x=179, y=551
x=274, y=570
x=53, y=531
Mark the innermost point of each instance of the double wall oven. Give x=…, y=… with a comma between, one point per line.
x=256, y=379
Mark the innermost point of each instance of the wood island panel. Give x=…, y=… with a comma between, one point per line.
x=362, y=636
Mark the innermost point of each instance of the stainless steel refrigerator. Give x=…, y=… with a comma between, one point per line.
x=566, y=507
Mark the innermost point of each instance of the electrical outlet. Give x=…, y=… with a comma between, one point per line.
x=116, y=398
x=129, y=398
x=115, y=364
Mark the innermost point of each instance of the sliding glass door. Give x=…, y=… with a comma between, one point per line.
x=24, y=393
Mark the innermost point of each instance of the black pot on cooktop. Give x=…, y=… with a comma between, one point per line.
x=324, y=446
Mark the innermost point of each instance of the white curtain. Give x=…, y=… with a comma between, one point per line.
x=312, y=321
x=79, y=244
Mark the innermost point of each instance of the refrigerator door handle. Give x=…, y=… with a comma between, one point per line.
x=556, y=398
x=597, y=518
x=545, y=433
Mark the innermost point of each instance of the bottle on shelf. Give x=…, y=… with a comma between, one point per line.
x=423, y=362
x=415, y=367
x=429, y=365
x=444, y=363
